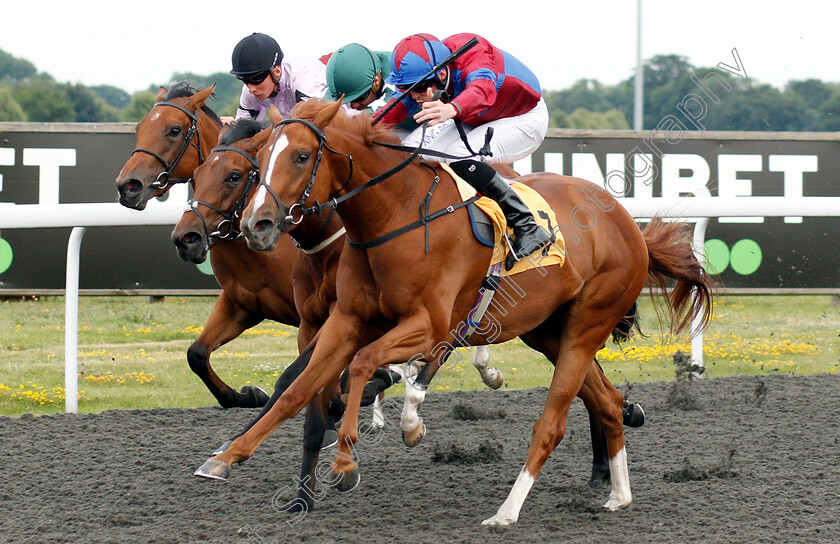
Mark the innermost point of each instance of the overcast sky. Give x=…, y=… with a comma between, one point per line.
x=135, y=44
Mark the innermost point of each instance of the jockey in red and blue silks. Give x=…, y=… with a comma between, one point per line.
x=487, y=88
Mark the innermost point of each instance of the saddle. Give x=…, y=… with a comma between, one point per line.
x=490, y=228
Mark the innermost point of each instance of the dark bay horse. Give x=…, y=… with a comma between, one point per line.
x=172, y=140
x=397, y=302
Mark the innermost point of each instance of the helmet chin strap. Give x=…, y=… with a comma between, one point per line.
x=447, y=79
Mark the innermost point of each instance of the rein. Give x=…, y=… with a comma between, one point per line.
x=226, y=228
x=164, y=180
x=317, y=208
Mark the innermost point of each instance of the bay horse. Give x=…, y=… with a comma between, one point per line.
x=172, y=140
x=399, y=300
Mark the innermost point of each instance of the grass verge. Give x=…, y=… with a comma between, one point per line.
x=132, y=352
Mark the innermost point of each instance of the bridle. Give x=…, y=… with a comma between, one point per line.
x=318, y=208
x=164, y=180
x=322, y=144
x=226, y=228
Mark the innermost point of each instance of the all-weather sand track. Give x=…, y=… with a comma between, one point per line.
x=724, y=460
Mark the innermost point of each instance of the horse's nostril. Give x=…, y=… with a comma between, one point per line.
x=131, y=187
x=191, y=239
x=264, y=226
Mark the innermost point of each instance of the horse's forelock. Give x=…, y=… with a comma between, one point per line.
x=182, y=89
x=242, y=129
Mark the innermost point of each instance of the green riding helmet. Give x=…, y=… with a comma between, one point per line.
x=350, y=71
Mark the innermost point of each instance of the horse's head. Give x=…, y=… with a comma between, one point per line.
x=222, y=186
x=295, y=174
x=168, y=144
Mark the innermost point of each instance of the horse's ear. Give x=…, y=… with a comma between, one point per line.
x=259, y=139
x=222, y=132
x=162, y=92
x=325, y=116
x=274, y=115
x=197, y=100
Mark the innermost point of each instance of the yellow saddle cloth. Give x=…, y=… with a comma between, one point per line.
x=554, y=253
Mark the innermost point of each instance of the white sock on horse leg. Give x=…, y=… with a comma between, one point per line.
x=509, y=510
x=620, y=495
x=414, y=396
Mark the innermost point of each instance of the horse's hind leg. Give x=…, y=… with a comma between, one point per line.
x=633, y=416
x=490, y=375
x=227, y=321
x=575, y=364
x=605, y=404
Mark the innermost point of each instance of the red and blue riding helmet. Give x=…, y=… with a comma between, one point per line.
x=414, y=57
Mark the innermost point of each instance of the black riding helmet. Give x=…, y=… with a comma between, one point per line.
x=255, y=53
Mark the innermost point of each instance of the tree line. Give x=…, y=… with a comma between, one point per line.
x=744, y=104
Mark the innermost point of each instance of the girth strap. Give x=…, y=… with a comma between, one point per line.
x=482, y=302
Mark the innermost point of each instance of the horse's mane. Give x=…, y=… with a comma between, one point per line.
x=182, y=89
x=360, y=125
x=242, y=129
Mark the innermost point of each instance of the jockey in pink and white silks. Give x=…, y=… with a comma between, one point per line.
x=487, y=88
x=271, y=79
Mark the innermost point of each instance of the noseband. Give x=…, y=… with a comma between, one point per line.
x=163, y=180
x=226, y=228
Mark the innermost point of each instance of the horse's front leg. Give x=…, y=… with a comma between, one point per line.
x=337, y=342
x=227, y=321
x=402, y=343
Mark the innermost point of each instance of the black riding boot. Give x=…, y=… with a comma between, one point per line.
x=528, y=236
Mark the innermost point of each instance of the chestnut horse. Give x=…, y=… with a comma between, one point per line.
x=399, y=300
x=222, y=185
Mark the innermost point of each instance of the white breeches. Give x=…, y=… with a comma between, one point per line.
x=514, y=138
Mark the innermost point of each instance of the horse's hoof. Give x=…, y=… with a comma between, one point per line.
x=634, y=415
x=495, y=380
x=617, y=503
x=498, y=521
x=213, y=470
x=223, y=448
x=256, y=397
x=413, y=437
x=349, y=481
x=330, y=438
x=300, y=504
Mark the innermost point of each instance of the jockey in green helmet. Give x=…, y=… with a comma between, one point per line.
x=359, y=74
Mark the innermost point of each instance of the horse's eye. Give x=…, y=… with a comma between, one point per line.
x=233, y=177
x=174, y=131
x=302, y=158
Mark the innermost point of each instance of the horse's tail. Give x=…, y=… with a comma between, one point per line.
x=672, y=257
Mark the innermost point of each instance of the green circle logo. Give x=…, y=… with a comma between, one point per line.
x=6, y=255
x=717, y=256
x=745, y=257
x=205, y=267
